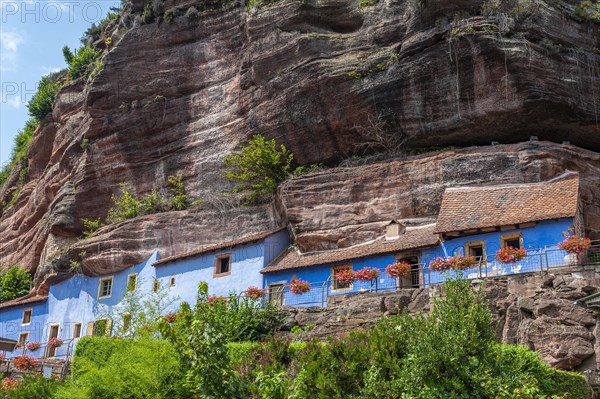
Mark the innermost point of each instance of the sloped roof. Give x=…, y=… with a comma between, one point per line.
x=23, y=301
x=467, y=208
x=416, y=237
x=211, y=248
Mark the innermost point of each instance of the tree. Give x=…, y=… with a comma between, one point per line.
x=40, y=104
x=259, y=167
x=14, y=283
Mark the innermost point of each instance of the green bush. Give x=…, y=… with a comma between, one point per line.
x=41, y=103
x=90, y=226
x=83, y=62
x=259, y=167
x=588, y=10
x=179, y=198
x=108, y=368
x=14, y=283
x=32, y=387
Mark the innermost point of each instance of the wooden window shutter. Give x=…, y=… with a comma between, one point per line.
x=108, y=327
x=90, y=328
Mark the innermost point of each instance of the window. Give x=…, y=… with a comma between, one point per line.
x=475, y=248
x=52, y=333
x=512, y=240
x=131, y=282
x=100, y=328
x=276, y=294
x=338, y=286
x=77, y=330
x=126, y=321
x=156, y=285
x=223, y=265
x=23, y=338
x=105, y=288
x=172, y=282
x=26, y=320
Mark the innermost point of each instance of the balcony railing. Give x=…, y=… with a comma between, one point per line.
x=536, y=260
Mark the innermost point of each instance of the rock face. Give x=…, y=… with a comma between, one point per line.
x=344, y=206
x=174, y=98
x=536, y=310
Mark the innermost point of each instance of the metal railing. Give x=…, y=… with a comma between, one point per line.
x=62, y=353
x=536, y=260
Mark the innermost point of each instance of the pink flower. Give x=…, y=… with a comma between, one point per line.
x=254, y=293
x=575, y=245
x=398, y=269
x=367, y=274
x=299, y=287
x=511, y=255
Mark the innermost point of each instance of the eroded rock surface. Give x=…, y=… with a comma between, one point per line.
x=175, y=98
x=548, y=321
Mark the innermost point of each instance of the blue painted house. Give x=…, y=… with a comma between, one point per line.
x=228, y=267
x=24, y=320
x=319, y=267
x=478, y=221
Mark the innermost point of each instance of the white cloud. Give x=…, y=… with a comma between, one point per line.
x=15, y=102
x=9, y=48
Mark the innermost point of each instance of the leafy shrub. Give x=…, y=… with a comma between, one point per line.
x=90, y=226
x=83, y=62
x=179, y=199
x=32, y=386
x=301, y=170
x=108, y=368
x=259, y=167
x=14, y=283
x=40, y=104
x=589, y=10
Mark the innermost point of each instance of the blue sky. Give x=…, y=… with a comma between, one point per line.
x=32, y=35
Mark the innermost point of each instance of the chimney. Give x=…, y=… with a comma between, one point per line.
x=394, y=229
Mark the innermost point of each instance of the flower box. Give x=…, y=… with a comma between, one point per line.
x=299, y=287
x=345, y=277
x=398, y=269
x=54, y=342
x=367, y=274
x=33, y=346
x=575, y=245
x=511, y=255
x=254, y=293
x=24, y=363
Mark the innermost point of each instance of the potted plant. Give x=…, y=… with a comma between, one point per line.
x=463, y=262
x=440, y=264
x=216, y=299
x=299, y=287
x=345, y=277
x=511, y=255
x=32, y=346
x=254, y=293
x=575, y=245
x=24, y=362
x=398, y=270
x=367, y=274
x=54, y=342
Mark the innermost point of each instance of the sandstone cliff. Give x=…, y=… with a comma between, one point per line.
x=174, y=98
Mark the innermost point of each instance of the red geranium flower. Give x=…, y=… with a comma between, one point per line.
x=398, y=269
x=254, y=293
x=511, y=255
x=575, y=245
x=367, y=274
x=299, y=287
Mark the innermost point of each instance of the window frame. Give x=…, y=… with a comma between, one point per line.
x=155, y=285
x=101, y=282
x=134, y=277
x=477, y=243
x=511, y=236
x=218, y=259
x=30, y=310
x=281, y=294
x=80, y=324
x=334, y=270
x=172, y=281
x=22, y=342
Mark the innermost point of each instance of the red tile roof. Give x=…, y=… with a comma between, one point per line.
x=469, y=208
x=211, y=248
x=416, y=237
x=27, y=299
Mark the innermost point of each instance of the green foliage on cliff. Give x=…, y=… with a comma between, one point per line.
x=40, y=104
x=589, y=10
x=15, y=282
x=259, y=167
x=83, y=62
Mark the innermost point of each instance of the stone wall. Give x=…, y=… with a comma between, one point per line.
x=537, y=310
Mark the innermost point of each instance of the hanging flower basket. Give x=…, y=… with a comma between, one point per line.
x=575, y=245
x=456, y=262
x=2, y=357
x=345, y=277
x=54, y=342
x=33, y=346
x=254, y=293
x=367, y=274
x=24, y=363
x=398, y=269
x=299, y=287
x=511, y=255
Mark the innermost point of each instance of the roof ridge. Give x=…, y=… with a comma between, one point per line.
x=567, y=175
